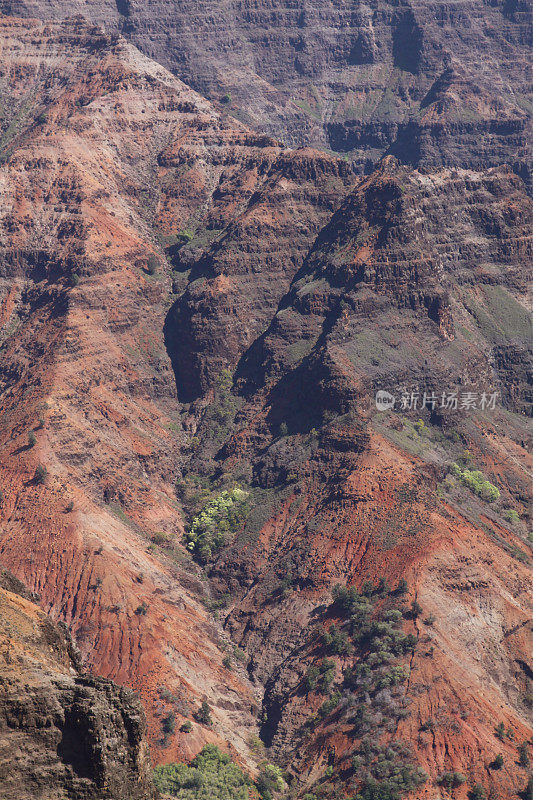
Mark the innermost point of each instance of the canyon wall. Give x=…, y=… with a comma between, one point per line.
x=188, y=306
x=432, y=83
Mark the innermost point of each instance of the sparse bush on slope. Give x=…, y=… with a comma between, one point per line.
x=220, y=517
x=476, y=482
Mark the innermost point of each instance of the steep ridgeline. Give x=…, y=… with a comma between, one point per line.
x=431, y=82
x=62, y=733
x=195, y=322
x=417, y=284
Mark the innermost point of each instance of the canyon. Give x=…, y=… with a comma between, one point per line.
x=187, y=306
x=431, y=83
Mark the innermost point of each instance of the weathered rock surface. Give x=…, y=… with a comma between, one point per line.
x=62, y=734
x=84, y=364
x=434, y=83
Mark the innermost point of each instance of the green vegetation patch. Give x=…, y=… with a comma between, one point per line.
x=210, y=776
x=476, y=482
x=213, y=776
x=501, y=318
x=221, y=517
x=219, y=416
x=511, y=515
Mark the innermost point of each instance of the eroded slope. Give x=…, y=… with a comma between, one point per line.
x=417, y=285
x=106, y=160
x=434, y=83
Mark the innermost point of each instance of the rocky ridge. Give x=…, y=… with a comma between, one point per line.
x=62, y=733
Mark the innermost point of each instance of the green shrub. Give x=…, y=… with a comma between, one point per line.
x=142, y=609
x=327, y=674
x=476, y=482
x=270, y=780
x=335, y=641
x=32, y=439
x=203, y=714
x=74, y=279
x=499, y=731
x=451, y=780
x=329, y=705
x=219, y=518
x=523, y=755
x=226, y=661
x=498, y=762
x=397, y=674
x=168, y=724
x=151, y=265
x=511, y=515
x=357, y=762
x=403, y=780
x=415, y=610
x=311, y=678
x=226, y=98
x=345, y=598
x=184, y=237
x=477, y=792
x=186, y=727
x=487, y=491
x=283, y=429
x=466, y=457
x=40, y=474
x=160, y=538
x=209, y=776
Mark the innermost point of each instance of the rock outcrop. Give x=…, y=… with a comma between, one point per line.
x=62, y=733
